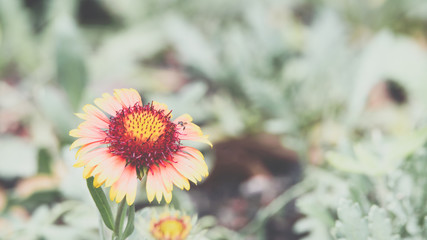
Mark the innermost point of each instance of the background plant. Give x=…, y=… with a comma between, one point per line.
x=305, y=71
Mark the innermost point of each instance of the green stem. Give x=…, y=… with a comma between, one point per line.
x=121, y=212
x=129, y=227
x=276, y=205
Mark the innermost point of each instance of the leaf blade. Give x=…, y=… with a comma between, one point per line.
x=101, y=203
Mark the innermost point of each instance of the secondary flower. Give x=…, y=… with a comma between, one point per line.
x=170, y=226
x=127, y=140
x=160, y=223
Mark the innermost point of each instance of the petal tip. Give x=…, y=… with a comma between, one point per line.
x=129, y=201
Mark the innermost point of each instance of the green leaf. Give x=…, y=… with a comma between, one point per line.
x=343, y=162
x=56, y=109
x=405, y=146
x=101, y=203
x=425, y=228
x=379, y=224
x=192, y=46
x=71, y=65
x=44, y=161
x=351, y=224
x=130, y=226
x=17, y=39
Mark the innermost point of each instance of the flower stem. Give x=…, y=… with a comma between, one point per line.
x=129, y=227
x=121, y=212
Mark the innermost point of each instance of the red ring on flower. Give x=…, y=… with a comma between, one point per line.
x=142, y=135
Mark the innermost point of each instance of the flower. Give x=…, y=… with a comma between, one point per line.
x=128, y=140
x=170, y=226
x=166, y=223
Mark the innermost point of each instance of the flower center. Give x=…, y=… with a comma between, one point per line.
x=142, y=135
x=144, y=126
x=170, y=228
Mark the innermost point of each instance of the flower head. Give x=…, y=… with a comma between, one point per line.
x=165, y=223
x=127, y=140
x=170, y=226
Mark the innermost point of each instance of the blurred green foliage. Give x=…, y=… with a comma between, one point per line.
x=310, y=71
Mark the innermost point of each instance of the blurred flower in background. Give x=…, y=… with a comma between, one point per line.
x=170, y=226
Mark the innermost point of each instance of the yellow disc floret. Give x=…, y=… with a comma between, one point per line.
x=144, y=126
